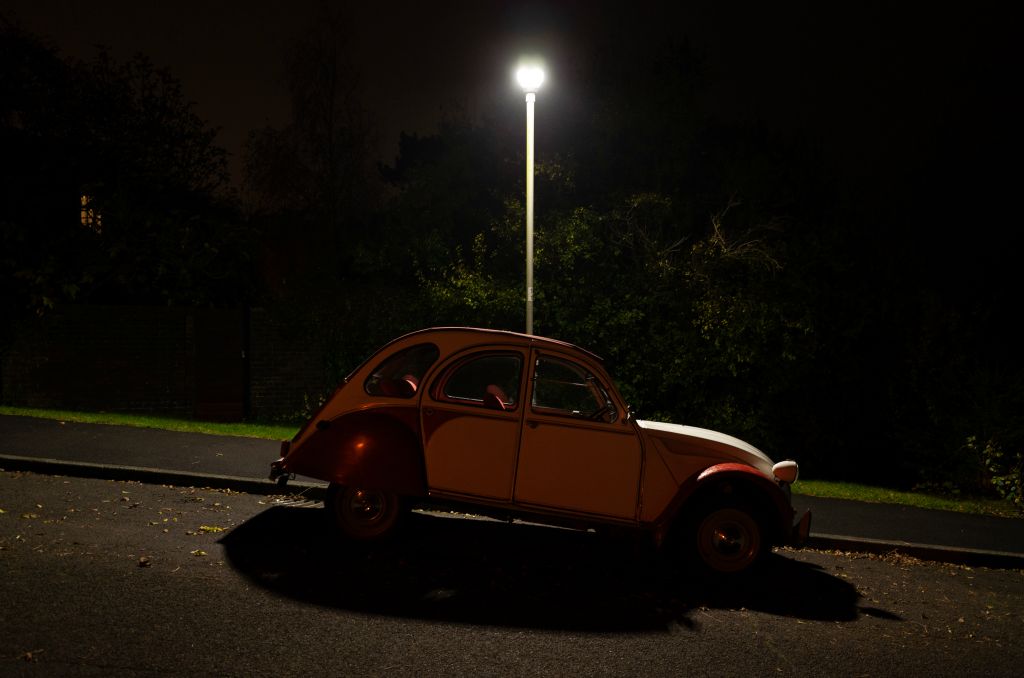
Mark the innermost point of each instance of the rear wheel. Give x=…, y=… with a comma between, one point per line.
x=363, y=513
x=728, y=539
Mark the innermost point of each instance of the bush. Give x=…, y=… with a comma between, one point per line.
x=1006, y=469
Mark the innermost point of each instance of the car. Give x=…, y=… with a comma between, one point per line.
x=521, y=426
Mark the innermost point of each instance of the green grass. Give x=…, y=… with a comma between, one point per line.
x=814, y=488
x=243, y=429
x=881, y=495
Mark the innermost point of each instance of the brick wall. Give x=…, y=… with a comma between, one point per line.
x=132, y=359
x=286, y=368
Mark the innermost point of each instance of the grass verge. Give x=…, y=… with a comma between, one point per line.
x=882, y=495
x=243, y=429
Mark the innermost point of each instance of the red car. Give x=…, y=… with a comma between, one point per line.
x=515, y=425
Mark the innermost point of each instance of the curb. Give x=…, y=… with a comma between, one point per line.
x=931, y=552
x=157, y=476
x=825, y=542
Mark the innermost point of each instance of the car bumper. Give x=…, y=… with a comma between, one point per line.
x=800, y=530
x=277, y=468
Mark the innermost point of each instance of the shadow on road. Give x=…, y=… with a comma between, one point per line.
x=486, y=572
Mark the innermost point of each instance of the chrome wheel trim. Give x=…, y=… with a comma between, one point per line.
x=365, y=507
x=362, y=513
x=728, y=540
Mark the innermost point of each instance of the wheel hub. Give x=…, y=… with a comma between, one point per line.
x=366, y=506
x=730, y=540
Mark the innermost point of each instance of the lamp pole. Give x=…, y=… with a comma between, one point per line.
x=530, y=78
x=531, y=97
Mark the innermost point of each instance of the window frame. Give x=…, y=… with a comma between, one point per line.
x=589, y=376
x=375, y=372
x=439, y=387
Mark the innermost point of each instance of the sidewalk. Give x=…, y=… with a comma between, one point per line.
x=243, y=464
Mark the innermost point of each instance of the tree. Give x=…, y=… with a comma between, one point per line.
x=314, y=176
x=113, y=190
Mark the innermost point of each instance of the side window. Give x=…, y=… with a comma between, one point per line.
x=490, y=380
x=565, y=388
x=400, y=374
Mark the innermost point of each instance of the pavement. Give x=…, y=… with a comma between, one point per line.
x=243, y=464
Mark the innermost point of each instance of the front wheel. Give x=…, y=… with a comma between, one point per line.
x=728, y=539
x=362, y=513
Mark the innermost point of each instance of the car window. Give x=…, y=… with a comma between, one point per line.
x=565, y=388
x=400, y=374
x=490, y=380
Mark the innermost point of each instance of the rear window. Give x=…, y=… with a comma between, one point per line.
x=399, y=375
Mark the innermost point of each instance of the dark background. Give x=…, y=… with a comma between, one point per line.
x=808, y=212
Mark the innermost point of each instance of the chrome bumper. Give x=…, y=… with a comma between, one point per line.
x=277, y=467
x=801, y=529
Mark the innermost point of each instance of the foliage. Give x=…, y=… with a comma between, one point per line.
x=1006, y=469
x=308, y=183
x=716, y=342
x=445, y=190
x=157, y=226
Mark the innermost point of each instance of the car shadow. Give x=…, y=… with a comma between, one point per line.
x=493, y=573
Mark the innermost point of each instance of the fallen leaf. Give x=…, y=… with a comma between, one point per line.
x=29, y=516
x=144, y=561
x=31, y=656
x=199, y=552
x=210, y=528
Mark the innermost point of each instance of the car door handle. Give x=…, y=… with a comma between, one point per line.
x=532, y=424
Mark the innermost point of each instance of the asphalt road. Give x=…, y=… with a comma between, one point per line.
x=107, y=578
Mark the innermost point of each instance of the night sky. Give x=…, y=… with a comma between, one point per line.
x=877, y=85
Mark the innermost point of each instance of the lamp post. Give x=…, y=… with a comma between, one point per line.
x=530, y=79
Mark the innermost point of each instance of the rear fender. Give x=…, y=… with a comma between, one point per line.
x=376, y=448
x=739, y=480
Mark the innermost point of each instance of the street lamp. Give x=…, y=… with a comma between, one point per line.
x=530, y=79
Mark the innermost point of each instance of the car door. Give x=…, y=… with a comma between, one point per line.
x=576, y=452
x=470, y=419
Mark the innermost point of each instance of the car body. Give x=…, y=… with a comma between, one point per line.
x=519, y=425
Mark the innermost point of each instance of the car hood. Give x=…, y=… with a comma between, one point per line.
x=715, y=441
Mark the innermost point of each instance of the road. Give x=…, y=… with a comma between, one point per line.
x=117, y=578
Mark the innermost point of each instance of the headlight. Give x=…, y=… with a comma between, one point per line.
x=786, y=471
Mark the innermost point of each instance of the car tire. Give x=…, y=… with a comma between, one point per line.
x=727, y=539
x=363, y=514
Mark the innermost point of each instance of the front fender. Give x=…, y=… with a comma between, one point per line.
x=733, y=478
x=376, y=448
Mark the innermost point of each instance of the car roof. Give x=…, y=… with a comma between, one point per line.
x=499, y=335
x=483, y=334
